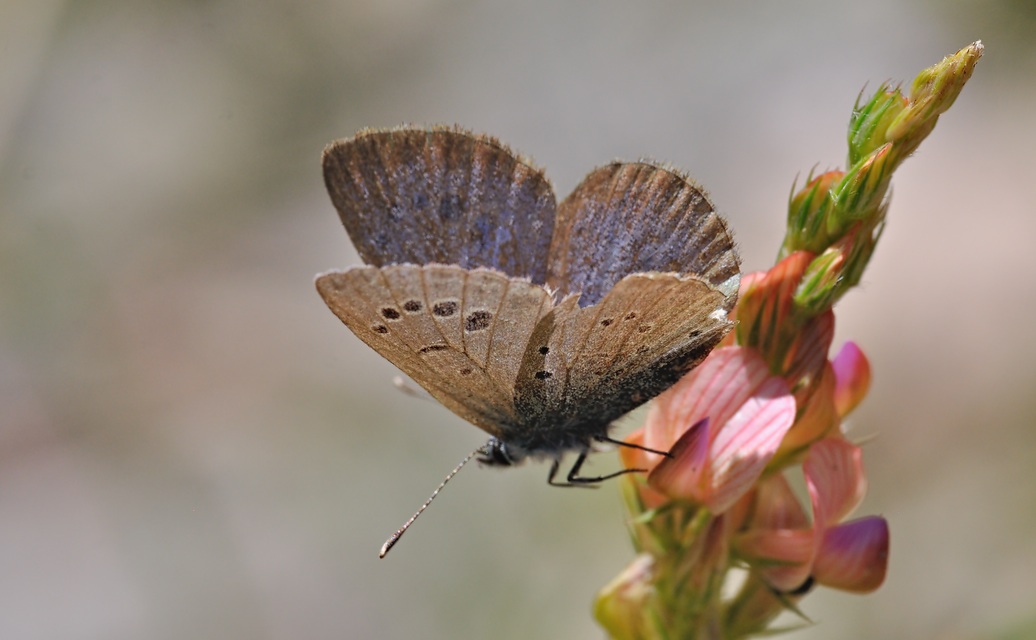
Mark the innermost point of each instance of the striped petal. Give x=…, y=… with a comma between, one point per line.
x=835, y=478
x=685, y=474
x=852, y=377
x=716, y=389
x=746, y=443
x=779, y=541
x=748, y=411
x=783, y=557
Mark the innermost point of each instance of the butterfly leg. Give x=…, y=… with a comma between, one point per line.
x=623, y=443
x=573, y=479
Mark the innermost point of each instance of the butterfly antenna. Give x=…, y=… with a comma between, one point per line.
x=394, y=538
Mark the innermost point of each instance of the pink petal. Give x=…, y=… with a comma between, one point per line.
x=818, y=417
x=809, y=351
x=780, y=537
x=776, y=506
x=748, y=440
x=854, y=556
x=749, y=280
x=764, y=305
x=716, y=390
x=835, y=478
x=783, y=557
x=853, y=377
x=684, y=474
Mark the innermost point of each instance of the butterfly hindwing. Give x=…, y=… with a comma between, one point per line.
x=604, y=360
x=440, y=195
x=459, y=333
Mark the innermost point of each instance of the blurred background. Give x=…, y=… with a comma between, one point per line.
x=191, y=445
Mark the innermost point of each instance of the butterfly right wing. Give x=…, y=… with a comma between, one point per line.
x=638, y=217
x=601, y=361
x=458, y=333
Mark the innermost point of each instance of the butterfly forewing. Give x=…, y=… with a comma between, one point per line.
x=637, y=217
x=458, y=333
x=424, y=196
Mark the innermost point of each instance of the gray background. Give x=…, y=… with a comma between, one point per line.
x=191, y=445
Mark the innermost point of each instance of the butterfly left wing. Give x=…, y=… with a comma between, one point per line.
x=458, y=333
x=441, y=195
x=604, y=360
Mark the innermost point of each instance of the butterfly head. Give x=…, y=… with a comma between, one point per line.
x=496, y=453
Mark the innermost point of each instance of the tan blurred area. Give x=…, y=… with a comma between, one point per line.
x=192, y=446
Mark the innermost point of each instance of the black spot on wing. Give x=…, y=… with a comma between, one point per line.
x=478, y=320
x=445, y=308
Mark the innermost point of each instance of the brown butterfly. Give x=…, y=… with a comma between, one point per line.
x=540, y=323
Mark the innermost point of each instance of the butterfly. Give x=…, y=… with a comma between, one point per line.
x=538, y=322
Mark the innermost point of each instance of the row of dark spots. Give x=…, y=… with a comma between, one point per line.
x=443, y=309
x=476, y=321
x=632, y=315
x=644, y=328
x=393, y=314
x=410, y=306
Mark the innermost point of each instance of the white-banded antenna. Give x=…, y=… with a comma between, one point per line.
x=394, y=538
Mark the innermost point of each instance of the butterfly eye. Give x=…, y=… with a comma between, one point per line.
x=412, y=306
x=379, y=328
x=606, y=322
x=544, y=350
x=389, y=313
x=543, y=375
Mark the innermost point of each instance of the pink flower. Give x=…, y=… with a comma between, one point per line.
x=787, y=551
x=722, y=424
